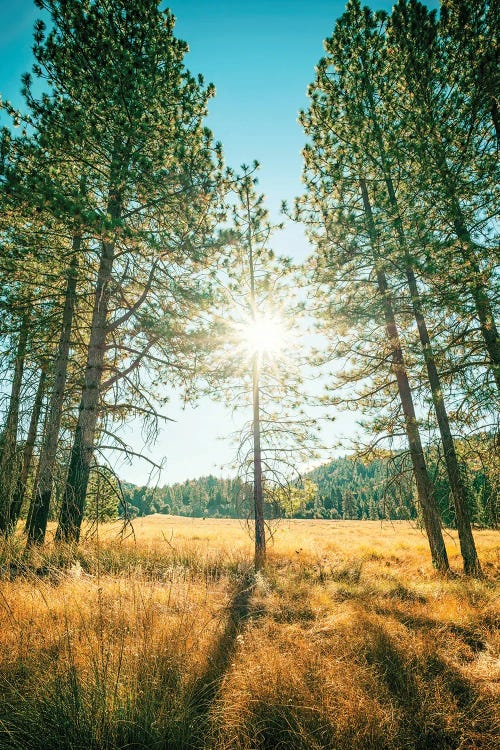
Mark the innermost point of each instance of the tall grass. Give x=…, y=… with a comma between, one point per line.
x=347, y=640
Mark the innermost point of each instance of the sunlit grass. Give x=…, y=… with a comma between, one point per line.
x=349, y=639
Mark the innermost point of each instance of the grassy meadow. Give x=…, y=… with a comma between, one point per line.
x=167, y=639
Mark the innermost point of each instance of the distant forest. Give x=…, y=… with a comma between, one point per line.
x=344, y=488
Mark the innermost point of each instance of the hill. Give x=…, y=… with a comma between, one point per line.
x=344, y=488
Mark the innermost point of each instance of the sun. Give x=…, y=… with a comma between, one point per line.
x=263, y=334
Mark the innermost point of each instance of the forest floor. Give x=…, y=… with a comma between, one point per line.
x=167, y=639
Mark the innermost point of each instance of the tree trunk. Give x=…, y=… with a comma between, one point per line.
x=258, y=489
x=73, y=502
x=459, y=493
x=467, y=545
x=8, y=457
x=495, y=118
x=258, y=495
x=35, y=483
x=43, y=489
x=22, y=480
x=425, y=487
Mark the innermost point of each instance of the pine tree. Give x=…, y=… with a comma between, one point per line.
x=350, y=110
x=458, y=174
x=255, y=364
x=9, y=434
x=29, y=445
x=129, y=121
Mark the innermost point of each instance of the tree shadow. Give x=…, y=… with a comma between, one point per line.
x=424, y=689
x=470, y=636
x=205, y=689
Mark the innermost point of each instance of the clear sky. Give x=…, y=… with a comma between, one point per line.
x=261, y=56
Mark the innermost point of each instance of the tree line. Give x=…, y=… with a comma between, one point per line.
x=341, y=489
x=130, y=255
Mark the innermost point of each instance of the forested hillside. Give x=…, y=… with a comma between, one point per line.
x=344, y=488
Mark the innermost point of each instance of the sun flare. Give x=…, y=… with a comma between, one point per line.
x=263, y=334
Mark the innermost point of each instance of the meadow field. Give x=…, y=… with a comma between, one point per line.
x=168, y=639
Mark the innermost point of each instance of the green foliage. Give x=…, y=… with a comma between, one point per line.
x=114, y=176
x=290, y=501
x=344, y=488
x=103, y=496
x=206, y=496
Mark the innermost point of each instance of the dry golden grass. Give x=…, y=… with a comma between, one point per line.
x=349, y=639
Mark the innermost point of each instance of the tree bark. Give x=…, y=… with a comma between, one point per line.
x=43, y=490
x=258, y=489
x=8, y=458
x=22, y=480
x=495, y=118
x=425, y=487
x=73, y=502
x=458, y=490
x=35, y=484
x=482, y=303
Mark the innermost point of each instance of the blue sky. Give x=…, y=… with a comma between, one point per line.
x=261, y=56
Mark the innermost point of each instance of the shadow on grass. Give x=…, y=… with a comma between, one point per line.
x=206, y=687
x=428, y=691
x=468, y=635
x=156, y=712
